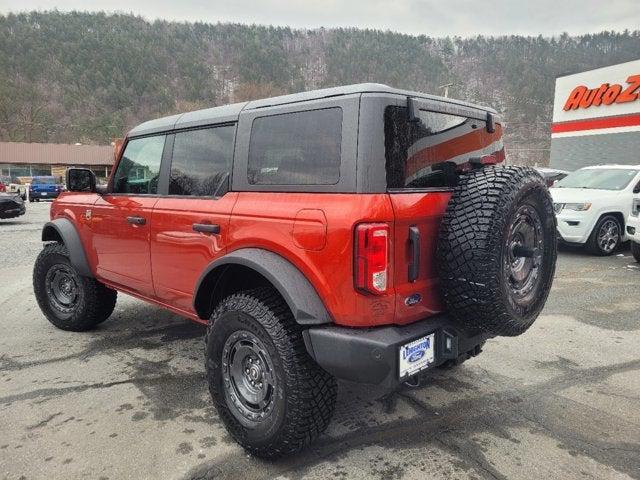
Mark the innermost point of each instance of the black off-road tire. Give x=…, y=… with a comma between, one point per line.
x=475, y=253
x=593, y=244
x=635, y=250
x=94, y=301
x=304, y=395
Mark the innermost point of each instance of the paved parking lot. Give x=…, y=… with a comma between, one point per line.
x=129, y=400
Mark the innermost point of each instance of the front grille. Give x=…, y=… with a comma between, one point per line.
x=557, y=207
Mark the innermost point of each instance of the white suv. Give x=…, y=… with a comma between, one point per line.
x=593, y=204
x=633, y=227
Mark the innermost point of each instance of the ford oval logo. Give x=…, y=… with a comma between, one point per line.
x=415, y=356
x=412, y=299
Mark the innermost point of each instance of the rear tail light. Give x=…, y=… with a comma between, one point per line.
x=371, y=257
x=2, y=187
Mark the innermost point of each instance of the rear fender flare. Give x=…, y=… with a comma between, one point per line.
x=296, y=290
x=62, y=230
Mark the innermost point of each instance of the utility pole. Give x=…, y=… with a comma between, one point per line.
x=446, y=89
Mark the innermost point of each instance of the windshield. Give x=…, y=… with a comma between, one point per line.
x=598, y=178
x=44, y=180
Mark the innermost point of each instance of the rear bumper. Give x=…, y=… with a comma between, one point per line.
x=10, y=209
x=372, y=355
x=35, y=195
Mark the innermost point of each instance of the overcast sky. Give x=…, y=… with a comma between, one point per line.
x=430, y=17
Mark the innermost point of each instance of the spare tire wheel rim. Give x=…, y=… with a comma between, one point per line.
x=523, y=259
x=249, y=377
x=608, y=235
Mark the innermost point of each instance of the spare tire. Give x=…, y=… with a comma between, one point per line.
x=497, y=249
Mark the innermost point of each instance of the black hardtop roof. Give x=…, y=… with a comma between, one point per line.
x=230, y=113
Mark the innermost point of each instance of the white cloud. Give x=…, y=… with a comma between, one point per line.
x=429, y=17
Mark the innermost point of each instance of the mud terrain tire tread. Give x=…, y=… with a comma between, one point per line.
x=97, y=301
x=310, y=391
x=472, y=242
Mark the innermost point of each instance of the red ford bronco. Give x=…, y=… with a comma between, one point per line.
x=363, y=233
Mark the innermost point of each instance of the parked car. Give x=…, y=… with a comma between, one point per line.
x=633, y=227
x=11, y=205
x=551, y=175
x=13, y=185
x=592, y=205
x=323, y=235
x=45, y=187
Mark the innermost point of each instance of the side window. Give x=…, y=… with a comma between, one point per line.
x=300, y=148
x=416, y=152
x=139, y=167
x=201, y=161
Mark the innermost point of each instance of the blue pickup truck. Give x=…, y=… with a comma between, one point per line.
x=43, y=188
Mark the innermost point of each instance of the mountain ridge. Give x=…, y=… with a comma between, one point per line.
x=89, y=77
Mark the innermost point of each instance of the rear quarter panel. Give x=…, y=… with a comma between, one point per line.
x=291, y=225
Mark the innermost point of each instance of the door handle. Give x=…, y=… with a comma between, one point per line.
x=414, y=242
x=136, y=220
x=206, y=228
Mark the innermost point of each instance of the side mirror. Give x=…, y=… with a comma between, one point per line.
x=80, y=180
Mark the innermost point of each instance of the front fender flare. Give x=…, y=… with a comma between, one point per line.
x=296, y=290
x=64, y=230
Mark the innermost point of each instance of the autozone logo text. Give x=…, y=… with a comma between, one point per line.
x=606, y=94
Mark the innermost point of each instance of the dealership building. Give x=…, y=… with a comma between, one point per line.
x=27, y=160
x=596, y=117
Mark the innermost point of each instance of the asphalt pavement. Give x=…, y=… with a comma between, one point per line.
x=129, y=399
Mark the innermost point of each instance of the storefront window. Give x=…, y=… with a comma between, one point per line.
x=38, y=170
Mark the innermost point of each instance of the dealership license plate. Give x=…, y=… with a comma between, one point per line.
x=417, y=355
x=44, y=194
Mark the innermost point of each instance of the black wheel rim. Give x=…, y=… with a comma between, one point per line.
x=525, y=247
x=249, y=378
x=608, y=235
x=62, y=286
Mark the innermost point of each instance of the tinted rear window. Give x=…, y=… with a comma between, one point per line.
x=415, y=152
x=300, y=148
x=201, y=161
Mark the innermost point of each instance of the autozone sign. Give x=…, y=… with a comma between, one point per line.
x=599, y=101
x=606, y=94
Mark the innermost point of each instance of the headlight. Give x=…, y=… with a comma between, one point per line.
x=578, y=207
x=635, y=210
